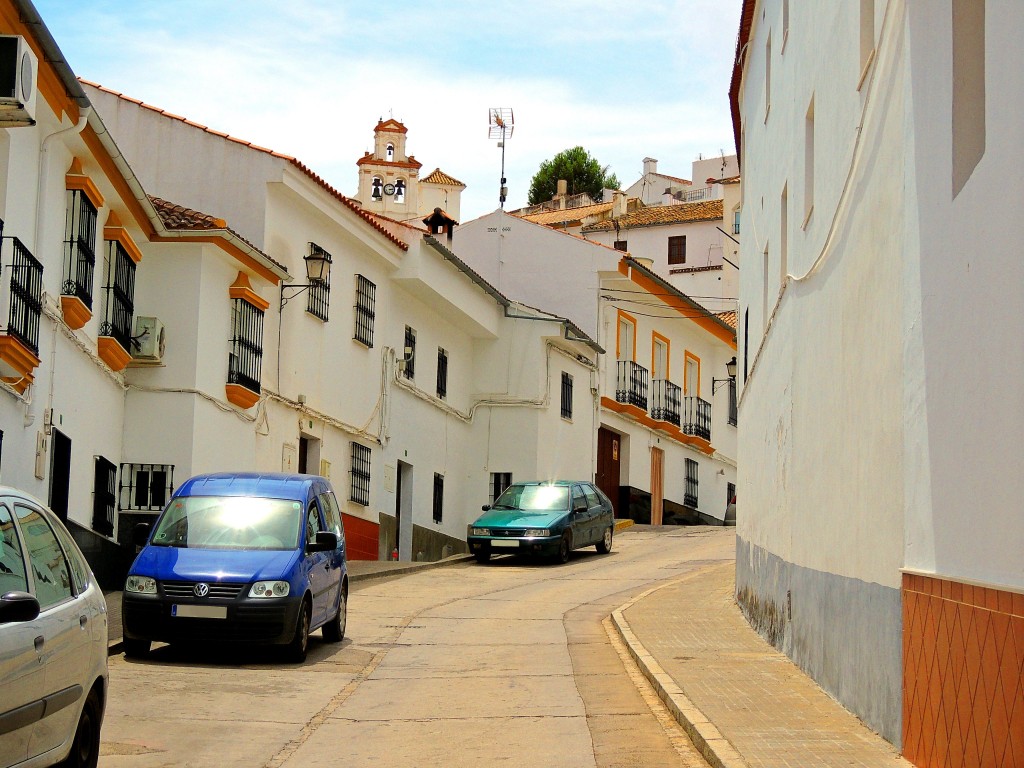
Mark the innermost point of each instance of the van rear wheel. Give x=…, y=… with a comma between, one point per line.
x=334, y=630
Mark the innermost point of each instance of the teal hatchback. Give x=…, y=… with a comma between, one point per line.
x=543, y=518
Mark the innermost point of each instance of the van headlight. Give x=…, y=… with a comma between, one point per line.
x=269, y=589
x=142, y=585
x=537, y=533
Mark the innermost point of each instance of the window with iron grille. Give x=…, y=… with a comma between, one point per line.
x=365, y=299
x=118, y=296
x=319, y=298
x=26, y=300
x=79, y=247
x=104, y=496
x=360, y=491
x=246, y=357
x=442, y=373
x=690, y=496
x=620, y=245
x=145, y=486
x=410, y=353
x=566, y=395
x=499, y=482
x=733, y=408
x=677, y=249
x=438, y=497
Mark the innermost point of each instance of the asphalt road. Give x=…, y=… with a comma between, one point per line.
x=510, y=663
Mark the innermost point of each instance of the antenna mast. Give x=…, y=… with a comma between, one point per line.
x=502, y=123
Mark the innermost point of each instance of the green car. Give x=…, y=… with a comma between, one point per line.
x=544, y=518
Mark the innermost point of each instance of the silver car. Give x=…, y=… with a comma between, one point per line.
x=53, y=641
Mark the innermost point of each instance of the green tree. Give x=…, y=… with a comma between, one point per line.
x=581, y=172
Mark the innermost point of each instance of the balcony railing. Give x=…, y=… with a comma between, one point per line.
x=665, y=399
x=696, y=417
x=631, y=384
x=26, y=296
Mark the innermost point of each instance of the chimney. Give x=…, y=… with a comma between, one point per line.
x=560, y=194
x=440, y=223
x=666, y=197
x=618, y=203
x=650, y=165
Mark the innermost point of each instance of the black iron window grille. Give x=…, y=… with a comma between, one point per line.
x=104, y=496
x=733, y=405
x=566, y=395
x=246, y=357
x=631, y=384
x=620, y=245
x=696, y=417
x=365, y=298
x=499, y=482
x=409, y=371
x=360, y=490
x=26, y=296
x=665, y=399
x=319, y=298
x=442, y=373
x=438, y=497
x=145, y=486
x=119, y=296
x=677, y=249
x=79, y=247
x=690, y=495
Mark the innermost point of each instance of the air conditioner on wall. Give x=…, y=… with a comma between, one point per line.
x=19, y=71
x=148, y=340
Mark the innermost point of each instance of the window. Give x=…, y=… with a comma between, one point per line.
x=442, y=373
x=625, y=341
x=968, y=89
x=13, y=576
x=746, y=341
x=52, y=574
x=389, y=152
x=499, y=482
x=79, y=247
x=578, y=499
x=26, y=296
x=377, y=188
x=593, y=500
x=619, y=245
x=659, y=357
x=733, y=403
x=104, y=495
x=409, y=369
x=145, y=486
x=809, y=162
x=438, y=497
x=312, y=523
x=677, y=249
x=246, y=357
x=365, y=298
x=400, y=191
x=332, y=513
x=566, y=395
x=360, y=491
x=118, y=295
x=736, y=221
x=691, y=380
x=690, y=496
x=319, y=297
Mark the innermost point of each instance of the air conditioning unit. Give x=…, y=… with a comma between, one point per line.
x=148, y=340
x=19, y=71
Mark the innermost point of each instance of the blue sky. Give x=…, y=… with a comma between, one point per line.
x=310, y=78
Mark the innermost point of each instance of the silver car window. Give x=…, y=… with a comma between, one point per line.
x=79, y=570
x=50, y=573
x=12, y=561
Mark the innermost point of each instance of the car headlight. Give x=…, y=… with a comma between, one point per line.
x=142, y=585
x=269, y=589
x=481, y=531
x=541, y=533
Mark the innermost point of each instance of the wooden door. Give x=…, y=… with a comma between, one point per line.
x=608, y=450
x=657, y=485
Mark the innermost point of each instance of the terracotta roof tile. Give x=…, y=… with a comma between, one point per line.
x=176, y=216
x=673, y=178
x=656, y=215
x=730, y=180
x=567, y=214
x=437, y=176
x=729, y=318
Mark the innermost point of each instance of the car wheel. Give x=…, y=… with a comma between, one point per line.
x=136, y=649
x=334, y=630
x=297, y=648
x=85, y=748
x=604, y=546
x=482, y=555
x=564, y=548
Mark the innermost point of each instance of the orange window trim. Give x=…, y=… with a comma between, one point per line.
x=690, y=356
x=655, y=338
x=114, y=230
x=77, y=180
x=242, y=289
x=623, y=315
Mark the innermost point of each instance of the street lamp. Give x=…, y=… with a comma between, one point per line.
x=318, y=269
x=730, y=368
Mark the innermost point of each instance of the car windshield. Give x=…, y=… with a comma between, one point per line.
x=541, y=498
x=229, y=522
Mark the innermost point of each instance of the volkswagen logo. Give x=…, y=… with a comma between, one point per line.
x=201, y=589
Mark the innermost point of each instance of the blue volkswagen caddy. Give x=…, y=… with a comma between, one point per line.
x=241, y=557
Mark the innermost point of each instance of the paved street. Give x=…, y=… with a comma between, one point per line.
x=510, y=663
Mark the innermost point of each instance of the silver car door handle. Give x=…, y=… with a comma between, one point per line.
x=39, y=643
x=83, y=620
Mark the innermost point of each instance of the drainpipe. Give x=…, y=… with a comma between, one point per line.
x=77, y=128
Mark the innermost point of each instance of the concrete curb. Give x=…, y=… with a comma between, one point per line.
x=710, y=742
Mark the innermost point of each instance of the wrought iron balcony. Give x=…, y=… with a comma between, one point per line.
x=631, y=384
x=665, y=398
x=26, y=303
x=696, y=417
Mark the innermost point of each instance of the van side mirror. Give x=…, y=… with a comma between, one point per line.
x=325, y=542
x=140, y=534
x=18, y=606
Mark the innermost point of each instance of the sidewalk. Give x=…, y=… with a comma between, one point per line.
x=742, y=702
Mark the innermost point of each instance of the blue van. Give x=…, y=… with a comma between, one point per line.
x=241, y=557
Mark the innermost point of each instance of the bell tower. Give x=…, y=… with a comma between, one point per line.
x=388, y=177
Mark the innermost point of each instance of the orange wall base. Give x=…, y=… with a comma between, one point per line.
x=963, y=674
x=360, y=538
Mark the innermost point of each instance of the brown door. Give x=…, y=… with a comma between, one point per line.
x=608, y=447
x=657, y=485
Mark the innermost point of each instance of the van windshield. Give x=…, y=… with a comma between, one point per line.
x=229, y=522
x=534, y=497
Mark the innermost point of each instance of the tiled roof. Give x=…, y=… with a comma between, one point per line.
x=390, y=125
x=656, y=215
x=730, y=180
x=368, y=159
x=351, y=204
x=568, y=214
x=672, y=178
x=728, y=317
x=179, y=217
x=437, y=176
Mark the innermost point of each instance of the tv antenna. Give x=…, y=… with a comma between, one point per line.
x=501, y=126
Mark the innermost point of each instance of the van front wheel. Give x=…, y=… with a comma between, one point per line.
x=299, y=645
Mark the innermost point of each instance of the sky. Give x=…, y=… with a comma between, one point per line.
x=311, y=78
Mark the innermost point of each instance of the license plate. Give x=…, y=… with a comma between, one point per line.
x=505, y=543
x=200, y=611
